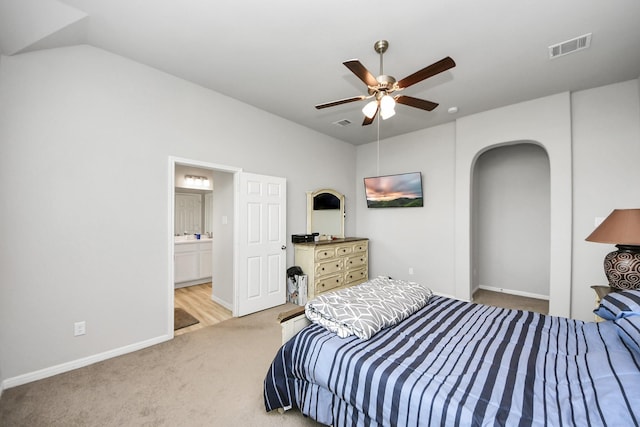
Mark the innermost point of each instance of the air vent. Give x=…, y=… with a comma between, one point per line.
x=570, y=46
x=342, y=123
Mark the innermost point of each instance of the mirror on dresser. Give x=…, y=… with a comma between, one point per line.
x=325, y=212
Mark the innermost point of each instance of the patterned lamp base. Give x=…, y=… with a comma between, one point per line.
x=622, y=267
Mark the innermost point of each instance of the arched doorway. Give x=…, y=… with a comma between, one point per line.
x=510, y=221
x=547, y=121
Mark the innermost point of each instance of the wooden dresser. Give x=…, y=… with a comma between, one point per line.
x=334, y=264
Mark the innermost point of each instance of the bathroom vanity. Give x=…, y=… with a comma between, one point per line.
x=193, y=261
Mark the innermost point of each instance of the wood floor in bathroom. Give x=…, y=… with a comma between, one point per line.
x=196, y=300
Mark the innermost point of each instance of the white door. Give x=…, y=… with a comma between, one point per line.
x=261, y=260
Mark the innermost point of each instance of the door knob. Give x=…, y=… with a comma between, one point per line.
x=283, y=247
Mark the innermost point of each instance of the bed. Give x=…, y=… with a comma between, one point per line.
x=452, y=362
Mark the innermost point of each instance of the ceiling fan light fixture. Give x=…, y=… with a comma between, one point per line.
x=387, y=107
x=387, y=114
x=382, y=86
x=370, y=109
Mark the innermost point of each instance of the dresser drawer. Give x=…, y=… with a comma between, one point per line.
x=325, y=253
x=360, y=247
x=344, y=250
x=356, y=261
x=329, y=267
x=358, y=275
x=333, y=264
x=328, y=283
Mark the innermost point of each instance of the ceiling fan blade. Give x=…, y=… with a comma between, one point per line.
x=361, y=71
x=433, y=69
x=415, y=102
x=340, y=102
x=367, y=121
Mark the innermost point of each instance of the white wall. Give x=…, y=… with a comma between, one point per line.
x=547, y=122
x=223, y=223
x=606, y=159
x=86, y=138
x=418, y=238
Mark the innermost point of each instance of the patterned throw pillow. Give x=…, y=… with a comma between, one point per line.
x=619, y=304
x=629, y=331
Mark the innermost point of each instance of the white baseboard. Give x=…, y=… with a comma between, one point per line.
x=514, y=292
x=79, y=363
x=444, y=295
x=223, y=303
x=192, y=283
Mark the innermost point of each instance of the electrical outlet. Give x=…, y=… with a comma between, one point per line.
x=411, y=270
x=79, y=328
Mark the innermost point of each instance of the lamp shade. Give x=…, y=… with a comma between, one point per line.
x=370, y=109
x=622, y=267
x=621, y=227
x=387, y=107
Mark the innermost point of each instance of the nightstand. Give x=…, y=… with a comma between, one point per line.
x=601, y=291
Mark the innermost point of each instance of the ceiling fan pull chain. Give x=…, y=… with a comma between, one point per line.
x=378, y=152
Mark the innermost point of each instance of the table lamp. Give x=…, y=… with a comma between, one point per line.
x=621, y=228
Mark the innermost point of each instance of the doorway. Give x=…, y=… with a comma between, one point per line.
x=511, y=224
x=213, y=263
x=194, y=296
x=249, y=228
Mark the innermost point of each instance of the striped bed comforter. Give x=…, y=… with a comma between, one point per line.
x=459, y=363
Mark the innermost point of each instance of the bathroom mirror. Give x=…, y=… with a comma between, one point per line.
x=193, y=211
x=325, y=212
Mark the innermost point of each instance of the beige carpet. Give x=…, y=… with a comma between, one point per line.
x=210, y=377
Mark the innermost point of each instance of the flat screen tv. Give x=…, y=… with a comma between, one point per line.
x=394, y=191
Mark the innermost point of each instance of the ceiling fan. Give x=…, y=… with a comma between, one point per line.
x=383, y=86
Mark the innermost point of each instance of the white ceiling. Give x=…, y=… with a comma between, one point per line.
x=285, y=56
